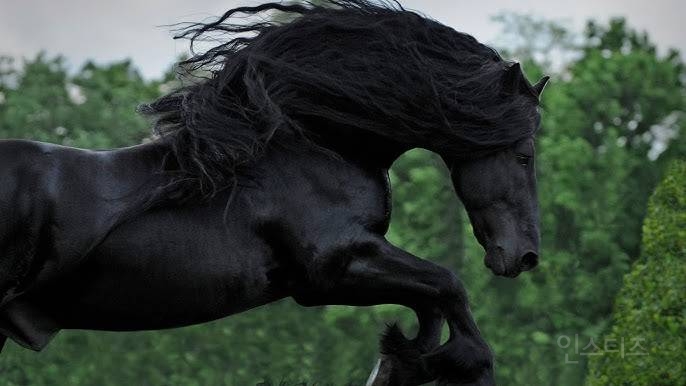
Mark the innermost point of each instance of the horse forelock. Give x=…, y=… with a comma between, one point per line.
x=351, y=64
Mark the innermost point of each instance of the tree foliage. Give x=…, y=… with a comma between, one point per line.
x=93, y=108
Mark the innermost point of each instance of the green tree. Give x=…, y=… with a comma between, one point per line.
x=620, y=87
x=93, y=108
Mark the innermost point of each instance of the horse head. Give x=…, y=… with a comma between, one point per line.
x=498, y=191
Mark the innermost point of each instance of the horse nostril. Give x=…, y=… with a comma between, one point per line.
x=529, y=261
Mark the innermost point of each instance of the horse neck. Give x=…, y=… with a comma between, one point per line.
x=365, y=147
x=140, y=171
x=144, y=158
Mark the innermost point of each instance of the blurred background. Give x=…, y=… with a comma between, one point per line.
x=607, y=304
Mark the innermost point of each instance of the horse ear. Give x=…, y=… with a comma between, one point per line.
x=540, y=85
x=512, y=78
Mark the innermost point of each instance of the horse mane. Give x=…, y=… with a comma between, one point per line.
x=347, y=64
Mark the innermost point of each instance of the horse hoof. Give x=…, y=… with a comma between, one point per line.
x=462, y=362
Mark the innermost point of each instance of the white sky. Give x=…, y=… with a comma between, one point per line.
x=114, y=30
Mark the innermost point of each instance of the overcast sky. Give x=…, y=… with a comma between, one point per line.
x=113, y=30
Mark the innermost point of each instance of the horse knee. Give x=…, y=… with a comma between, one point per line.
x=450, y=287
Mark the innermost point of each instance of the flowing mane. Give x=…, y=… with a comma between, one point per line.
x=347, y=65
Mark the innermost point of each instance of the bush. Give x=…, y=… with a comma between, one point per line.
x=651, y=307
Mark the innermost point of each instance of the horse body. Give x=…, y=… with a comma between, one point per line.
x=170, y=267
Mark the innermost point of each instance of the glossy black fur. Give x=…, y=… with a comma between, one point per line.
x=269, y=182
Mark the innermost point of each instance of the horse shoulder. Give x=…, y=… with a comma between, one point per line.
x=317, y=208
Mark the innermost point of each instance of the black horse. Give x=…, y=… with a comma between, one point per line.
x=268, y=179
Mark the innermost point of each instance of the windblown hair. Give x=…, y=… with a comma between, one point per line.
x=351, y=65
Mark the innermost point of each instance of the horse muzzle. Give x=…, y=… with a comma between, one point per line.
x=498, y=261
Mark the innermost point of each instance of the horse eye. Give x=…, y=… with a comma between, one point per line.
x=523, y=159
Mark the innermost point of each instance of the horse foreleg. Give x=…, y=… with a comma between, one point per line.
x=379, y=273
